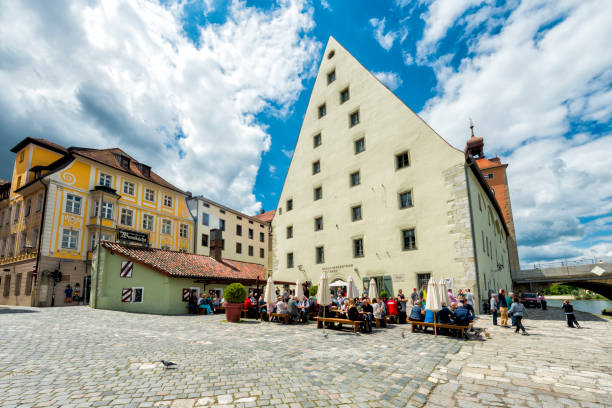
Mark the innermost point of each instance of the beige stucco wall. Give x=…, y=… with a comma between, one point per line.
x=488, y=232
x=436, y=177
x=232, y=219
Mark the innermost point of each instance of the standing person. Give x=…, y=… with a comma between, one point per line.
x=414, y=297
x=543, y=301
x=568, y=311
x=510, y=300
x=68, y=293
x=401, y=308
x=503, y=308
x=494, y=308
x=517, y=311
x=285, y=295
x=292, y=308
x=469, y=296
x=193, y=302
x=451, y=297
x=422, y=294
x=76, y=296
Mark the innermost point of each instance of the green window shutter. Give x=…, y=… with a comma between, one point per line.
x=388, y=285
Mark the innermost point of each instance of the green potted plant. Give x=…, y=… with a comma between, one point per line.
x=383, y=295
x=313, y=290
x=234, y=299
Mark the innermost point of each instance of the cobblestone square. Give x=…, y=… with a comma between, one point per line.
x=80, y=357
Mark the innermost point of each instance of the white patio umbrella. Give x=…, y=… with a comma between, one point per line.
x=434, y=298
x=299, y=290
x=350, y=288
x=444, y=290
x=269, y=295
x=323, y=295
x=337, y=284
x=373, y=290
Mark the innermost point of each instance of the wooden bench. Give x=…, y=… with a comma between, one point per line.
x=460, y=329
x=380, y=322
x=219, y=310
x=245, y=314
x=355, y=323
x=391, y=319
x=285, y=317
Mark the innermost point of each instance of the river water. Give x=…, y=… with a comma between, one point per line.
x=590, y=306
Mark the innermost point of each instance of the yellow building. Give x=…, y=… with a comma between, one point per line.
x=62, y=200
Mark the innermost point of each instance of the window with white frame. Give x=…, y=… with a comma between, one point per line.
x=128, y=188
x=105, y=180
x=149, y=195
x=107, y=210
x=70, y=239
x=73, y=204
x=168, y=201
x=127, y=216
x=166, y=227
x=183, y=230
x=39, y=200
x=147, y=222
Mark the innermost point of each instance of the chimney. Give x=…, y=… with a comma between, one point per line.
x=216, y=244
x=262, y=211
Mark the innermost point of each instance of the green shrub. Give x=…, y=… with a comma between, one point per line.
x=313, y=290
x=383, y=294
x=235, y=293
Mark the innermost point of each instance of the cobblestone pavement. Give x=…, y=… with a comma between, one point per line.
x=554, y=366
x=77, y=356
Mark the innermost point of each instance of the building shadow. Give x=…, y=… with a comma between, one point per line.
x=556, y=314
x=4, y=310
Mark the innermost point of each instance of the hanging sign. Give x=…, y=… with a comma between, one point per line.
x=132, y=236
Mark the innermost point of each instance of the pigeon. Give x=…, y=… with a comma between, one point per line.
x=168, y=364
x=403, y=334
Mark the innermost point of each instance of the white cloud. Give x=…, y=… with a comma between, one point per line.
x=523, y=87
x=271, y=169
x=439, y=17
x=325, y=5
x=288, y=153
x=390, y=79
x=385, y=40
x=407, y=58
x=123, y=73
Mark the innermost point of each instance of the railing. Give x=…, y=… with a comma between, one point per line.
x=17, y=258
x=566, y=263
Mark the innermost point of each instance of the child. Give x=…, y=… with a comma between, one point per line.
x=568, y=310
x=517, y=311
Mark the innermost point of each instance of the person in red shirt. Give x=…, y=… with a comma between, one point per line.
x=392, y=307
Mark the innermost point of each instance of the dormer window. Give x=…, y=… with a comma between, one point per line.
x=124, y=162
x=144, y=169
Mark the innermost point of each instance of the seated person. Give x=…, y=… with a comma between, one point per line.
x=430, y=316
x=462, y=316
x=263, y=308
x=303, y=306
x=334, y=301
x=354, y=315
x=204, y=305
x=292, y=308
x=368, y=310
x=417, y=313
x=216, y=301
x=345, y=306
x=470, y=309
x=445, y=315
x=281, y=306
x=379, y=308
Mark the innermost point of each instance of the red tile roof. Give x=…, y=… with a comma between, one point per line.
x=489, y=163
x=185, y=265
x=265, y=217
x=109, y=158
x=40, y=142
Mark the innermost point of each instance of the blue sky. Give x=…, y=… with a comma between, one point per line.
x=212, y=93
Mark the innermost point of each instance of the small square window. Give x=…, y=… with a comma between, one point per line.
x=405, y=199
x=331, y=77
x=331, y=54
x=290, y=260
x=127, y=216
x=344, y=95
x=105, y=180
x=316, y=141
x=356, y=213
x=289, y=205
x=168, y=201
x=147, y=222
x=290, y=231
x=354, y=119
x=128, y=188
x=21, y=157
x=490, y=176
x=359, y=145
x=183, y=231
x=320, y=254
x=238, y=248
x=355, y=179
x=166, y=227
x=318, y=193
x=322, y=111
x=316, y=167
x=358, y=248
x=408, y=239
x=204, y=240
x=222, y=211
x=318, y=223
x=402, y=160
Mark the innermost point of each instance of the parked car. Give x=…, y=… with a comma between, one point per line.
x=531, y=300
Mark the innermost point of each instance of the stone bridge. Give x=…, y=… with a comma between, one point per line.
x=596, y=277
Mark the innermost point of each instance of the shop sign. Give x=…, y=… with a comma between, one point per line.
x=132, y=236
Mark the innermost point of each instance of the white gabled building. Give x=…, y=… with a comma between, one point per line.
x=373, y=191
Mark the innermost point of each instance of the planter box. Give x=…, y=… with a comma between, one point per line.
x=233, y=311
